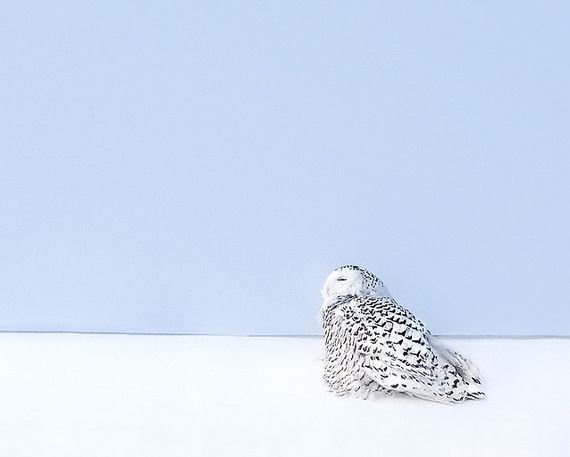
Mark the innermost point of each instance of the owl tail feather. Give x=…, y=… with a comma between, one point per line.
x=465, y=368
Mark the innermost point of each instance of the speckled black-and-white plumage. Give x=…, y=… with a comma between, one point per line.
x=372, y=344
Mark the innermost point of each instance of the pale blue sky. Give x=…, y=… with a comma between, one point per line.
x=200, y=167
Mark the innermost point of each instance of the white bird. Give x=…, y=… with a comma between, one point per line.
x=372, y=344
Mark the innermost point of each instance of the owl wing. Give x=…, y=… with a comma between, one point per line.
x=391, y=336
x=397, y=354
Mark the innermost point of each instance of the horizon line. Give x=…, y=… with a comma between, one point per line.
x=458, y=336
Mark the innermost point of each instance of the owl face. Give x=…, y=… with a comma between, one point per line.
x=352, y=280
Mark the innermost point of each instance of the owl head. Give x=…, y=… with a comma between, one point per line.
x=353, y=280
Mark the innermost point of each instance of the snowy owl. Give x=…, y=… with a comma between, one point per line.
x=372, y=344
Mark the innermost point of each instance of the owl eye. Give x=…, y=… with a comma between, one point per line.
x=341, y=279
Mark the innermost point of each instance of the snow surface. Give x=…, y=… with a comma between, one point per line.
x=163, y=396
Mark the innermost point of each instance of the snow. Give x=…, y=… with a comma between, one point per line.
x=123, y=395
